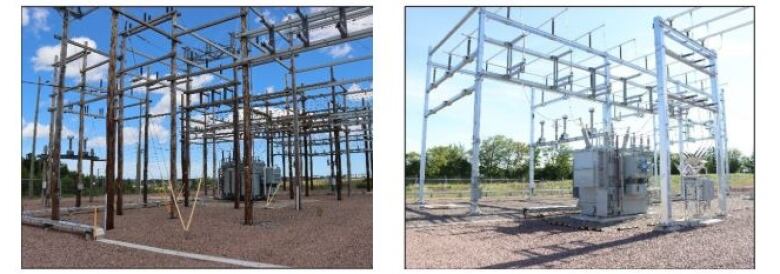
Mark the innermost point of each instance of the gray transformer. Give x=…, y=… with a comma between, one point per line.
x=612, y=182
x=264, y=180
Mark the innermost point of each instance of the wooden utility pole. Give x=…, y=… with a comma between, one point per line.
x=185, y=136
x=296, y=131
x=91, y=173
x=337, y=143
x=285, y=178
x=290, y=176
x=145, y=189
x=45, y=184
x=333, y=138
x=172, y=156
x=311, y=163
x=332, y=162
x=110, y=131
x=349, y=165
x=248, y=136
x=31, y=182
x=236, y=145
x=366, y=148
x=305, y=156
x=54, y=168
x=79, y=177
x=120, y=125
x=214, y=161
x=138, y=151
x=205, y=152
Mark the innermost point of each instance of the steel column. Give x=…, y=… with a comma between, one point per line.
x=663, y=119
x=475, y=191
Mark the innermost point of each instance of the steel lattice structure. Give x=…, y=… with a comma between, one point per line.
x=293, y=133
x=602, y=78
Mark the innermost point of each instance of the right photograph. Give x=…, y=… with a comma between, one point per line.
x=580, y=137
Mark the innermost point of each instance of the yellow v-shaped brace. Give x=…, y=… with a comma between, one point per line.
x=186, y=227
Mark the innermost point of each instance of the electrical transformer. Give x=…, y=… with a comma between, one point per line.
x=611, y=182
x=264, y=180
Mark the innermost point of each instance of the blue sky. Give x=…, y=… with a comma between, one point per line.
x=39, y=47
x=505, y=107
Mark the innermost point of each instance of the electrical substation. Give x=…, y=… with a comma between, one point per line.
x=621, y=176
x=278, y=176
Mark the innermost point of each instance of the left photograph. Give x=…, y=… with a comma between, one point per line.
x=196, y=137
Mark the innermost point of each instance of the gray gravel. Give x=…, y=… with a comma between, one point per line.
x=513, y=242
x=52, y=249
x=325, y=234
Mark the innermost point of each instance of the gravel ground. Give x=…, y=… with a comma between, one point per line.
x=325, y=234
x=52, y=249
x=506, y=240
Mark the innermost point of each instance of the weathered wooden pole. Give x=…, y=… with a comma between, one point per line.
x=47, y=149
x=297, y=132
x=110, y=122
x=120, y=124
x=236, y=144
x=337, y=139
x=91, y=172
x=205, y=153
x=333, y=139
x=145, y=190
x=31, y=182
x=305, y=155
x=54, y=167
x=290, y=166
x=349, y=165
x=284, y=160
x=311, y=163
x=248, y=135
x=138, y=152
x=185, y=135
x=366, y=148
x=173, y=105
x=79, y=177
x=214, y=161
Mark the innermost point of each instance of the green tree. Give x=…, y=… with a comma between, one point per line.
x=734, y=160
x=749, y=163
x=447, y=161
x=558, y=163
x=412, y=164
x=495, y=156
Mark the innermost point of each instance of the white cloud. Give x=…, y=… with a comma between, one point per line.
x=156, y=130
x=36, y=19
x=352, y=26
x=339, y=50
x=358, y=96
x=289, y=16
x=130, y=134
x=268, y=17
x=279, y=111
x=44, y=58
x=317, y=9
x=164, y=104
x=96, y=142
x=25, y=17
x=43, y=131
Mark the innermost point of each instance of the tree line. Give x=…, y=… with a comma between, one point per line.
x=502, y=157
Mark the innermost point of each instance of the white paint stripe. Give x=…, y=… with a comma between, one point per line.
x=191, y=255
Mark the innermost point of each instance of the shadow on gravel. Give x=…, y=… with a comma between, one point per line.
x=530, y=226
x=534, y=257
x=426, y=216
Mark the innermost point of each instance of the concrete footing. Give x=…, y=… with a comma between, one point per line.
x=604, y=220
x=89, y=232
x=685, y=224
